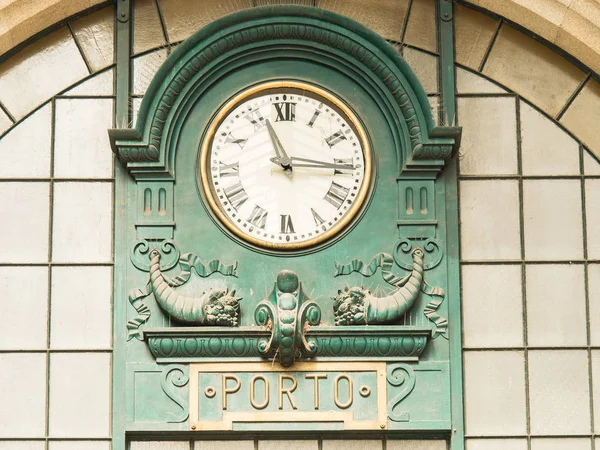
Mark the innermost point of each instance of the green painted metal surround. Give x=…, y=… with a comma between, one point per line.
x=222, y=59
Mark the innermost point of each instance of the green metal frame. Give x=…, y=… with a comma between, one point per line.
x=413, y=155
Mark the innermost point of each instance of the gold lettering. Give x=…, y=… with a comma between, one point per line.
x=287, y=391
x=336, y=397
x=231, y=390
x=264, y=404
x=316, y=378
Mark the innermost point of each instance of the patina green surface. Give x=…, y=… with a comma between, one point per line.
x=161, y=158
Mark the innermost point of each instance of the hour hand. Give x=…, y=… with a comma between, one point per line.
x=282, y=158
x=304, y=162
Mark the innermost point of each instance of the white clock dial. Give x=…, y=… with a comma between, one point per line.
x=286, y=165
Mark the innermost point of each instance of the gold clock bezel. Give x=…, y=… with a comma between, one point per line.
x=207, y=187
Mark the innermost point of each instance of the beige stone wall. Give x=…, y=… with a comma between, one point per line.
x=530, y=234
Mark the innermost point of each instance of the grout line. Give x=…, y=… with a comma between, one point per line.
x=573, y=96
x=163, y=25
x=523, y=273
x=405, y=22
x=525, y=177
x=529, y=262
x=57, y=264
x=5, y=110
x=85, y=60
x=488, y=50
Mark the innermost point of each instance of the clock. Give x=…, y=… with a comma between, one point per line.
x=285, y=165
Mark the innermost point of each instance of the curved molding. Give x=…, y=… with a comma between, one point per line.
x=285, y=32
x=21, y=20
x=568, y=25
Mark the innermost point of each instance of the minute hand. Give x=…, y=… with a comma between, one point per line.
x=298, y=162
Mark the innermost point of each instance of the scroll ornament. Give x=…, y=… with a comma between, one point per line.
x=213, y=307
x=358, y=306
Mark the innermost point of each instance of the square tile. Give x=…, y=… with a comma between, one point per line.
x=489, y=215
x=23, y=394
x=592, y=211
x=545, y=148
x=25, y=297
x=81, y=308
x=494, y=393
x=26, y=233
x=559, y=392
x=81, y=146
x=552, y=219
x=492, y=291
x=75, y=410
x=82, y=230
x=488, y=147
x=591, y=165
x=25, y=149
x=552, y=320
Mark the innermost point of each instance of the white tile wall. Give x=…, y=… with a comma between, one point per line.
x=81, y=308
x=561, y=444
x=23, y=394
x=79, y=395
x=25, y=235
x=489, y=139
x=489, y=215
x=81, y=145
x=79, y=445
x=82, y=229
x=24, y=297
x=493, y=306
x=559, y=392
x=25, y=150
x=495, y=393
x=223, y=445
x=160, y=445
x=346, y=444
x=592, y=211
x=296, y=445
x=496, y=444
x=594, y=302
x=416, y=445
x=552, y=219
x=22, y=445
x=556, y=312
x=545, y=148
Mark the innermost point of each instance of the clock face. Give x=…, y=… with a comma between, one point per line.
x=285, y=165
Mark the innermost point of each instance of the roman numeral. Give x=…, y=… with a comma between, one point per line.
x=345, y=162
x=231, y=139
x=256, y=119
x=229, y=170
x=236, y=195
x=317, y=218
x=286, y=224
x=286, y=111
x=336, y=194
x=335, y=138
x=314, y=118
x=258, y=217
